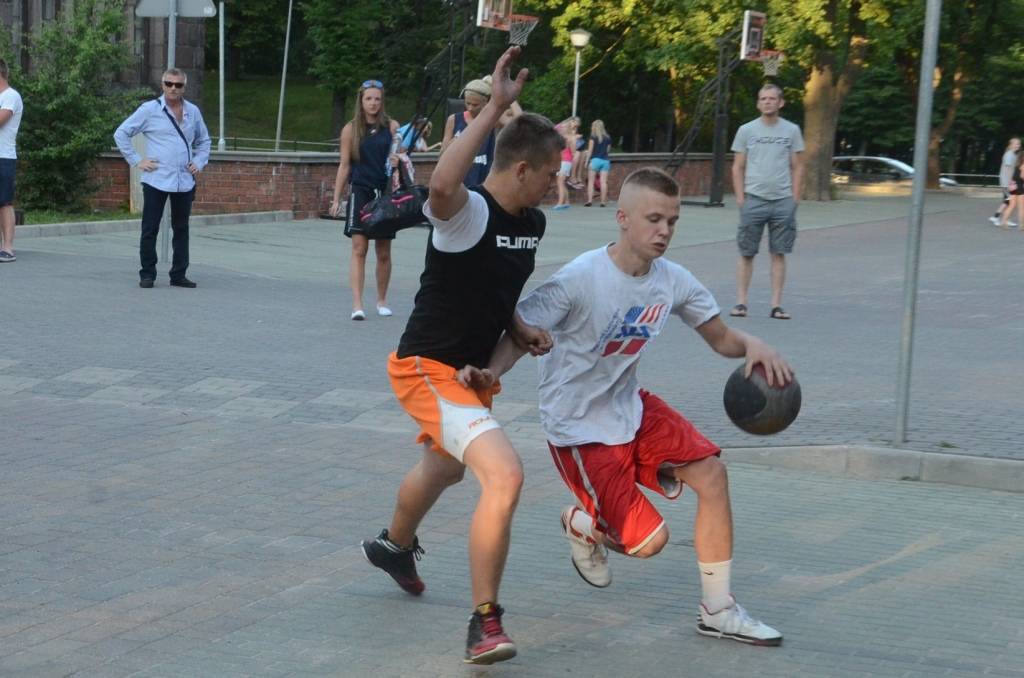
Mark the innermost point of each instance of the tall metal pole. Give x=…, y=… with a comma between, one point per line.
x=284, y=76
x=923, y=130
x=222, y=143
x=576, y=82
x=172, y=41
x=721, y=128
x=172, y=31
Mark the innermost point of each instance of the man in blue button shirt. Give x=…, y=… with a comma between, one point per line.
x=177, y=149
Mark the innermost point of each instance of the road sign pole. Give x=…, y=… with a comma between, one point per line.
x=284, y=75
x=172, y=39
x=925, y=89
x=222, y=144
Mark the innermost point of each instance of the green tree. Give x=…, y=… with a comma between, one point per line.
x=862, y=130
x=835, y=41
x=969, y=29
x=71, y=104
x=364, y=39
x=254, y=38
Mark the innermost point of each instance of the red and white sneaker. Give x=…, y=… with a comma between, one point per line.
x=588, y=557
x=486, y=640
x=734, y=622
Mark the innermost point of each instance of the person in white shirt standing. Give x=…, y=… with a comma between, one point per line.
x=607, y=435
x=10, y=120
x=178, y=146
x=1005, y=176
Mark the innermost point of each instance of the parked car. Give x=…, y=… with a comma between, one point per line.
x=871, y=169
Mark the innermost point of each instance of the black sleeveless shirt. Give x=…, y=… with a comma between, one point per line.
x=466, y=299
x=371, y=170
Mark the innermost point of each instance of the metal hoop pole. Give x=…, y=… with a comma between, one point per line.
x=576, y=84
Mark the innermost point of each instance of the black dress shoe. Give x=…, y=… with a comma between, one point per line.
x=146, y=284
x=182, y=282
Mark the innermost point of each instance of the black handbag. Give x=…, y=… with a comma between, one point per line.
x=399, y=207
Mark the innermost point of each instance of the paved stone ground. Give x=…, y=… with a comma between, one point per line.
x=186, y=472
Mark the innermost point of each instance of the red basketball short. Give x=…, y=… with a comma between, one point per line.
x=604, y=478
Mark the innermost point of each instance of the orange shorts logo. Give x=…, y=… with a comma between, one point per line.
x=476, y=422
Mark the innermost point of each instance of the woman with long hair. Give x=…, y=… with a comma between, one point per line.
x=1016, y=189
x=367, y=148
x=568, y=129
x=598, y=147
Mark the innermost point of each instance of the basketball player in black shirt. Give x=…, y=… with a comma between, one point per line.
x=479, y=255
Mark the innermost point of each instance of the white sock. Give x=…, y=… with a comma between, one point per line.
x=582, y=523
x=715, y=584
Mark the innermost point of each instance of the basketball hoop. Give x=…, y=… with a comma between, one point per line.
x=770, y=60
x=519, y=28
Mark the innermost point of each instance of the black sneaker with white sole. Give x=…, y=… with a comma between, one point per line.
x=397, y=561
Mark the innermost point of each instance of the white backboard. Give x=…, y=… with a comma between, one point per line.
x=752, y=40
x=493, y=14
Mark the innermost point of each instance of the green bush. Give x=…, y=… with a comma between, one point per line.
x=72, y=106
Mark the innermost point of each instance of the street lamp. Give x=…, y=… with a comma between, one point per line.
x=579, y=39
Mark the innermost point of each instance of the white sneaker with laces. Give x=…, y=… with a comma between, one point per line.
x=734, y=622
x=589, y=558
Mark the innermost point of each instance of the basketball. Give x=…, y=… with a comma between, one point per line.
x=758, y=408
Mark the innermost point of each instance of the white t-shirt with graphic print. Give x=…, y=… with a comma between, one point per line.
x=601, y=321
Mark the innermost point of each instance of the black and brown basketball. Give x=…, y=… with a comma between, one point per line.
x=758, y=408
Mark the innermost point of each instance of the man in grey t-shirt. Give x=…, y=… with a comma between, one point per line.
x=1005, y=175
x=767, y=177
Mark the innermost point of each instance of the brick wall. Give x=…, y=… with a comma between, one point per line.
x=237, y=181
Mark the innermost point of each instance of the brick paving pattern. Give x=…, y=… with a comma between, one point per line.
x=186, y=473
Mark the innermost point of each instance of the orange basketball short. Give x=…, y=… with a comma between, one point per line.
x=450, y=416
x=605, y=478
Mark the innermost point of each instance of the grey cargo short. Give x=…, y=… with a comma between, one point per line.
x=778, y=215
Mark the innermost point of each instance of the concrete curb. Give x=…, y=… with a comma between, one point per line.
x=95, y=227
x=884, y=463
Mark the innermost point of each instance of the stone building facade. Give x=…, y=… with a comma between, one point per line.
x=146, y=37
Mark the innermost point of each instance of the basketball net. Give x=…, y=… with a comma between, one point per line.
x=519, y=28
x=770, y=60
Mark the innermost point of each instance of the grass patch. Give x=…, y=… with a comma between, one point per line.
x=250, y=109
x=33, y=217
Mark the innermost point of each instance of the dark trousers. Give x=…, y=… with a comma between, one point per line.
x=152, y=212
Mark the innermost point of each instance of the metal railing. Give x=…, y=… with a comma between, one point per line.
x=287, y=146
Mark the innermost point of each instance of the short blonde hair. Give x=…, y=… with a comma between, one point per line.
x=653, y=179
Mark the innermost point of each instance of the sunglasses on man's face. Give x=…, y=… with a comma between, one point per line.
x=373, y=83
x=175, y=85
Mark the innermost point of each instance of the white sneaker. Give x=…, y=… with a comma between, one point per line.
x=384, y=311
x=1011, y=224
x=589, y=559
x=734, y=622
x=994, y=221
